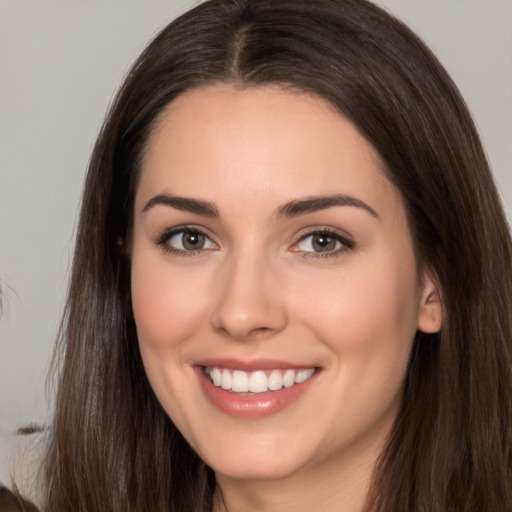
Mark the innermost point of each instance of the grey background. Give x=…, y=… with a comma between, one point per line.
x=60, y=64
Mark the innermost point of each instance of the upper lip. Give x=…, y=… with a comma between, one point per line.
x=252, y=365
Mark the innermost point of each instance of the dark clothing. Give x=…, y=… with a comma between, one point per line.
x=9, y=502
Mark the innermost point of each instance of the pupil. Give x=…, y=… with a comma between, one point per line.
x=323, y=243
x=193, y=240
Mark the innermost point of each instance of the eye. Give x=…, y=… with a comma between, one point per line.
x=323, y=243
x=183, y=240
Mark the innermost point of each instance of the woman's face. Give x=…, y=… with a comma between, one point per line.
x=275, y=289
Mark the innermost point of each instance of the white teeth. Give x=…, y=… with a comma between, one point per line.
x=226, y=379
x=240, y=381
x=258, y=381
x=289, y=378
x=216, y=376
x=303, y=375
x=275, y=380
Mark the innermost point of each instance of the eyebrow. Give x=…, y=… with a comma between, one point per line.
x=315, y=203
x=183, y=203
x=291, y=209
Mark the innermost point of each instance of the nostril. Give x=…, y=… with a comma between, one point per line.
x=261, y=331
x=250, y=333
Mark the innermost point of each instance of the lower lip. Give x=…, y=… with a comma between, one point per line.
x=253, y=406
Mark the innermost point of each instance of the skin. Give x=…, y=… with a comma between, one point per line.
x=258, y=289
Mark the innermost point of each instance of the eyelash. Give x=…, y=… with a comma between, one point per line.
x=163, y=238
x=346, y=244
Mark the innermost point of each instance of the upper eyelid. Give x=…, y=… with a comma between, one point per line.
x=185, y=227
x=347, y=245
x=341, y=236
x=336, y=232
x=164, y=235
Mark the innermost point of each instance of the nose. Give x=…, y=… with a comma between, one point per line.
x=250, y=302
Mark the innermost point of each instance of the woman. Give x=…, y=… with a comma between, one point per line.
x=292, y=279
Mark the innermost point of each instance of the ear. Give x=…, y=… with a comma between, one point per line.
x=430, y=310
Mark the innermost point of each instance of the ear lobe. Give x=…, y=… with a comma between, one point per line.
x=430, y=311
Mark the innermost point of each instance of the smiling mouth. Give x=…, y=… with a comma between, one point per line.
x=260, y=381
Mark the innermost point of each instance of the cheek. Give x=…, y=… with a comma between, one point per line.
x=167, y=305
x=167, y=309
x=371, y=309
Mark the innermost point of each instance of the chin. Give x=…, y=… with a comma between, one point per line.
x=265, y=460
x=264, y=468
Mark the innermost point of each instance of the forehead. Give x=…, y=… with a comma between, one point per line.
x=266, y=111
x=261, y=140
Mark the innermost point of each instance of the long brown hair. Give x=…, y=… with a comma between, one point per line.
x=113, y=447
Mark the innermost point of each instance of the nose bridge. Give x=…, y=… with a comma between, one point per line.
x=249, y=301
